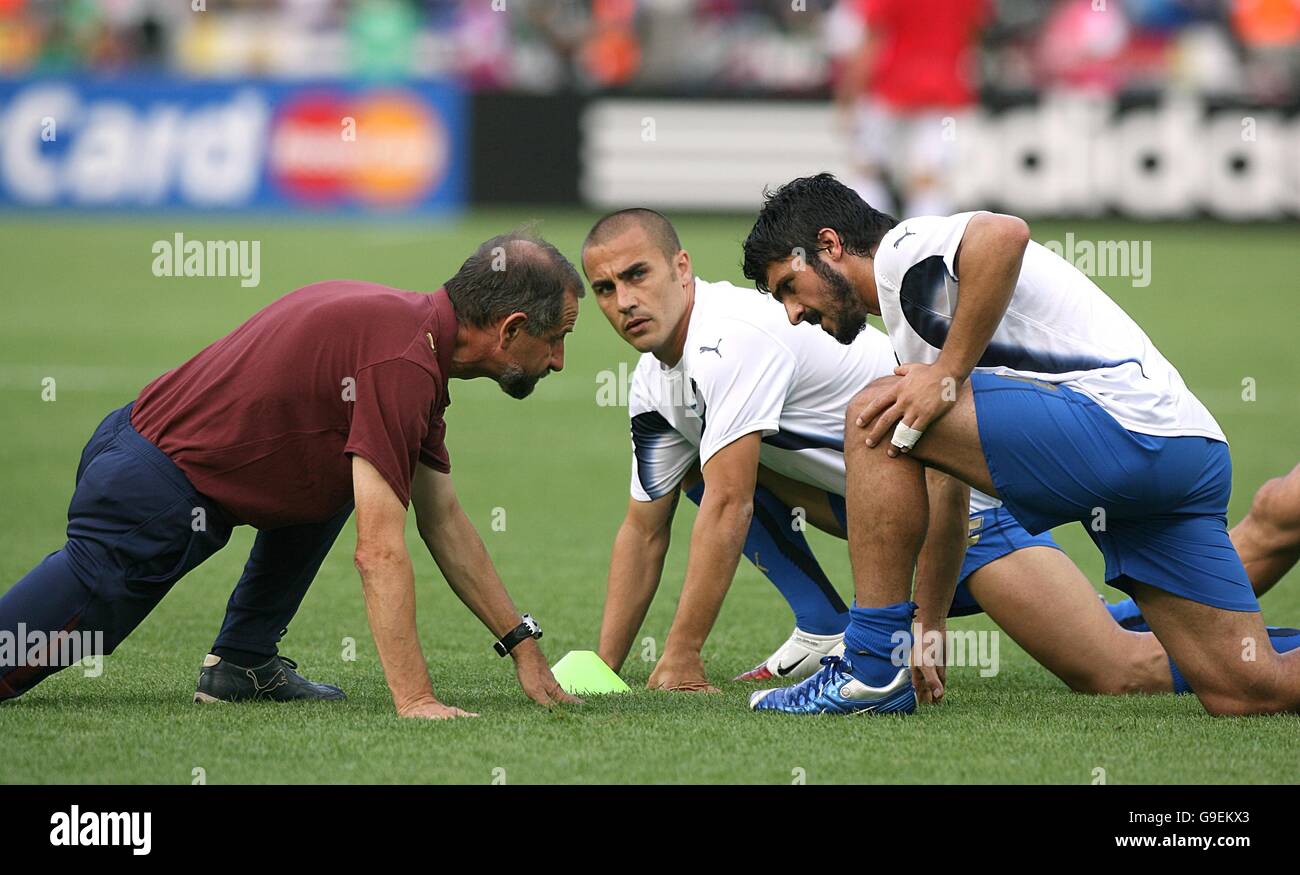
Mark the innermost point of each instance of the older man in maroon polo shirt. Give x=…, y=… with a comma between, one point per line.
x=330, y=399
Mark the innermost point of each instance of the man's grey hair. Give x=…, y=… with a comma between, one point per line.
x=518, y=272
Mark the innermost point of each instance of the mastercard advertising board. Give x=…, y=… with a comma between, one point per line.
x=235, y=145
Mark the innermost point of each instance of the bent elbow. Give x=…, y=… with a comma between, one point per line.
x=373, y=558
x=1015, y=231
x=733, y=506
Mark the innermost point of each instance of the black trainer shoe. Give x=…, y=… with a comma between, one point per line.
x=274, y=680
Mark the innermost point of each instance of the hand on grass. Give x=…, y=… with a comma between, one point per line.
x=535, y=677
x=929, y=668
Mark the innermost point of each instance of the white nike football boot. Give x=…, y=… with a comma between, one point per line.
x=799, y=657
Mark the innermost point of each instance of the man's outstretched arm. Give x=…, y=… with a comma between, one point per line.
x=388, y=583
x=717, y=540
x=456, y=546
x=635, y=568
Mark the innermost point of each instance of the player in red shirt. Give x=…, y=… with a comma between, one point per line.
x=903, y=94
x=330, y=399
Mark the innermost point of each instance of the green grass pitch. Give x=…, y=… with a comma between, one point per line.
x=81, y=305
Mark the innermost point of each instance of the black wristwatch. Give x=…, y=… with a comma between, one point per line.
x=527, y=629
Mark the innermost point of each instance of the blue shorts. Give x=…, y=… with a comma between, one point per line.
x=1155, y=506
x=994, y=533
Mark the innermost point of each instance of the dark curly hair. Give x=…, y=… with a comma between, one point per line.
x=793, y=214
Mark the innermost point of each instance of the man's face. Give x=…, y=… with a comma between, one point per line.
x=641, y=294
x=818, y=293
x=530, y=358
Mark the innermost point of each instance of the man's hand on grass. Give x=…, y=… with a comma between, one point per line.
x=535, y=677
x=929, y=664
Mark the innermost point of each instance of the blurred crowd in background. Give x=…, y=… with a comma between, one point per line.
x=1247, y=49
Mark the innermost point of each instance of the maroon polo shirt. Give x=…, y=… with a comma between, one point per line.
x=264, y=421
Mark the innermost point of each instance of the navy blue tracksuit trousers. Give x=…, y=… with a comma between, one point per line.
x=136, y=526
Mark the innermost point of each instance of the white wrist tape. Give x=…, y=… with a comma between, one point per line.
x=905, y=437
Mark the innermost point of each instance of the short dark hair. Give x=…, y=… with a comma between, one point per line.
x=793, y=214
x=654, y=223
x=518, y=272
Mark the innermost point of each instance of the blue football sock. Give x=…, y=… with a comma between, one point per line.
x=781, y=553
x=1128, y=615
x=872, y=641
x=1282, y=638
x=1180, y=683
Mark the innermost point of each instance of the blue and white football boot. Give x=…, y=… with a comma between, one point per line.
x=833, y=690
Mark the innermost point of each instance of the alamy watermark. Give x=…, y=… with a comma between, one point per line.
x=967, y=648
x=77, y=828
x=1103, y=258
x=179, y=257
x=614, y=388
x=61, y=649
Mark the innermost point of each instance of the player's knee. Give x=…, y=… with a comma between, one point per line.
x=1276, y=506
x=1225, y=703
x=864, y=399
x=1263, y=507
x=857, y=404
x=1252, y=687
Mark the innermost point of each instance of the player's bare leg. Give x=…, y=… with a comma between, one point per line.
x=1268, y=539
x=888, y=516
x=1226, y=656
x=1039, y=597
x=1207, y=643
x=1045, y=603
x=873, y=676
x=776, y=546
x=883, y=553
x=888, y=495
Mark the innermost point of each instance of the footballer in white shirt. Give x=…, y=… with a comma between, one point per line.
x=1022, y=379
x=745, y=412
